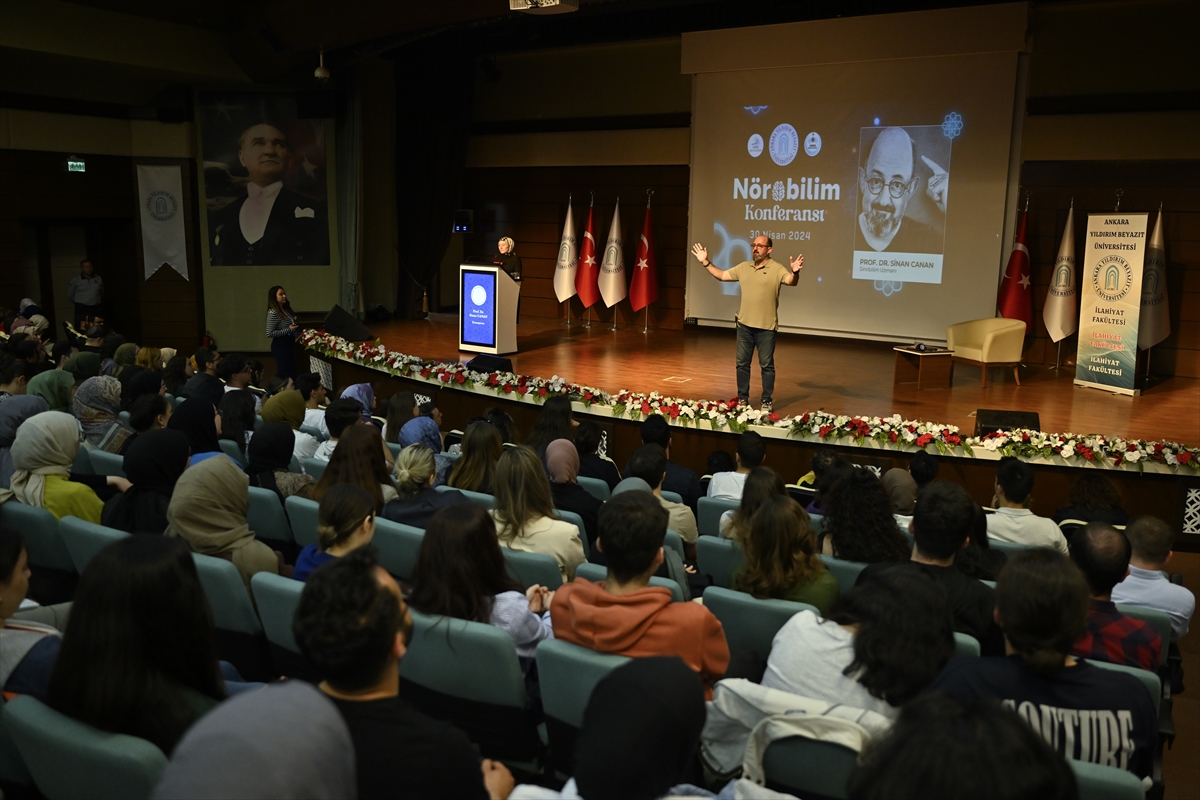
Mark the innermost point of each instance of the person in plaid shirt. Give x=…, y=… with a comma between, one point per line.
x=1102, y=552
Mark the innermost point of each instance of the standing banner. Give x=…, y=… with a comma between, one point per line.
x=643, y=289
x=1111, y=305
x=1061, y=311
x=160, y=201
x=1156, y=317
x=568, y=261
x=587, y=274
x=612, y=268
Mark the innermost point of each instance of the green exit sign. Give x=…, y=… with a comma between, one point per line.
x=76, y=166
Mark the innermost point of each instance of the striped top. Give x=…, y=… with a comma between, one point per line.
x=511, y=614
x=279, y=326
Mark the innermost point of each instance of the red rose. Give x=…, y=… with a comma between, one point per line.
x=1025, y=437
x=492, y=380
x=924, y=439
x=645, y=407
x=824, y=430
x=587, y=395
x=1184, y=457
x=461, y=378
x=425, y=372
x=1131, y=447
x=508, y=387
x=522, y=390
x=893, y=436
x=804, y=418
x=773, y=416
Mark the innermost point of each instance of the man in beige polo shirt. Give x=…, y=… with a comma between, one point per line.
x=758, y=317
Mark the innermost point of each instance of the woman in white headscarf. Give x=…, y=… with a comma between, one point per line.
x=42, y=454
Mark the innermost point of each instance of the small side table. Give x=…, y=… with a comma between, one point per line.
x=928, y=370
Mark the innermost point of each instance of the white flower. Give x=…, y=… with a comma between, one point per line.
x=1068, y=451
x=1134, y=456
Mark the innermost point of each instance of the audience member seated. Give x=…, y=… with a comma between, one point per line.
x=56, y=387
x=681, y=480
x=27, y=649
x=781, y=557
x=93, y=338
x=640, y=736
x=902, y=491
x=649, y=463
x=1012, y=521
x=880, y=646
x=354, y=628
x=364, y=393
x=475, y=468
x=941, y=526
x=59, y=352
x=1093, y=498
x=12, y=415
x=286, y=740
x=234, y=370
x=208, y=510
x=237, y=418
x=461, y=573
x=555, y=422
x=199, y=421
x=176, y=373
x=524, y=512
x=96, y=405
x=859, y=525
x=719, y=461
x=751, y=449
x=269, y=457
x=203, y=386
x=423, y=430
x=591, y=464
x=761, y=484
x=150, y=412
x=817, y=465
x=502, y=421
x=924, y=468
x=1147, y=585
x=945, y=749
x=139, y=656
x=359, y=461
x=399, y=409
x=345, y=522
x=125, y=377
x=140, y=385
x=15, y=375
x=42, y=454
x=627, y=616
x=562, y=465
x=83, y=366
x=1041, y=605
x=1102, y=553
x=115, y=357
x=417, y=500
x=149, y=357
x=313, y=391
x=154, y=463
x=979, y=559
x=205, y=360
x=289, y=407
x=828, y=469
x=339, y=415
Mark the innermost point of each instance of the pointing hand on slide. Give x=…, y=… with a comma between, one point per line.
x=700, y=252
x=797, y=263
x=938, y=188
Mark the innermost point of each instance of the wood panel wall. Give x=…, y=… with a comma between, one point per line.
x=530, y=205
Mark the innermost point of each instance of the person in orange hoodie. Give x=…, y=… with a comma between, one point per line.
x=627, y=616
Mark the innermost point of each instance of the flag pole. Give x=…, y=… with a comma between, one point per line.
x=646, y=328
x=588, y=324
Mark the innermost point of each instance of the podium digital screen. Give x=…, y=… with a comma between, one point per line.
x=478, y=304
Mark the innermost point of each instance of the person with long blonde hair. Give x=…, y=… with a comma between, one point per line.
x=781, y=558
x=524, y=513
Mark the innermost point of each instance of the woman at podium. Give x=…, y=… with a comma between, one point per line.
x=506, y=259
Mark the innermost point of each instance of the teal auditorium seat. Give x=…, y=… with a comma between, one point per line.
x=43, y=541
x=567, y=674
x=313, y=432
x=480, y=499
x=817, y=522
x=719, y=558
x=124, y=418
x=672, y=540
x=596, y=572
x=1149, y=679
x=105, y=463
x=1009, y=549
x=577, y=521
x=674, y=497
x=965, y=644
x=708, y=514
x=395, y=449
x=595, y=487
x=532, y=568
x=230, y=448
x=1098, y=782
x=302, y=515
x=85, y=539
x=314, y=466
x=750, y=623
x=12, y=767
x=69, y=759
x=240, y=638
x=399, y=547
x=83, y=462
x=277, y=598
x=267, y=518
x=846, y=572
x=807, y=767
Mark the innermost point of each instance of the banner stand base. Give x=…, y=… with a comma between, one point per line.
x=1109, y=389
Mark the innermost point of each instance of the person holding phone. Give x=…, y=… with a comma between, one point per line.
x=282, y=331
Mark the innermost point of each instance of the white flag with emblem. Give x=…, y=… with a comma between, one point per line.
x=1061, y=312
x=568, y=260
x=612, y=266
x=160, y=201
x=1155, y=322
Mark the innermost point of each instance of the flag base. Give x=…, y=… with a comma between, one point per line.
x=588, y=324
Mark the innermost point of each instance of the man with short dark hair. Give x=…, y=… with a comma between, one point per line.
x=751, y=450
x=627, y=616
x=684, y=482
x=339, y=415
x=923, y=468
x=1012, y=521
x=15, y=374
x=1102, y=553
x=649, y=462
x=353, y=626
x=1147, y=585
x=206, y=360
x=86, y=291
x=314, y=394
x=941, y=527
x=234, y=369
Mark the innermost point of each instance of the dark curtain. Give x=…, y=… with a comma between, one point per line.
x=435, y=81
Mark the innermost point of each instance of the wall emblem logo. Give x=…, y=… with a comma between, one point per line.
x=161, y=205
x=812, y=143
x=755, y=146
x=784, y=145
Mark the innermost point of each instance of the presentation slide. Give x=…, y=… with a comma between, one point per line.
x=478, y=304
x=890, y=177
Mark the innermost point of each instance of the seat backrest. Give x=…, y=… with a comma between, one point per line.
x=817, y=522
x=807, y=767
x=399, y=547
x=1100, y=782
x=395, y=448
x=470, y=660
x=313, y=432
x=673, y=540
x=674, y=497
x=43, y=541
x=750, y=623
x=577, y=521
x=719, y=558
x=266, y=516
x=294, y=465
x=105, y=463
x=303, y=517
x=597, y=572
x=1149, y=679
x=487, y=501
x=84, y=539
x=965, y=644
x=277, y=598
x=709, y=511
x=595, y=487
x=83, y=462
x=229, y=447
x=12, y=768
x=70, y=759
x=124, y=418
x=314, y=466
x=1159, y=619
x=846, y=572
x=567, y=674
x=1008, y=548
x=226, y=592
x=801, y=494
x=532, y=568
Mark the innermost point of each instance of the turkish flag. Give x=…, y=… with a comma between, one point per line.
x=587, y=277
x=643, y=289
x=1016, y=290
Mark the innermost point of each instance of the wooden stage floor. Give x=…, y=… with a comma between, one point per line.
x=838, y=375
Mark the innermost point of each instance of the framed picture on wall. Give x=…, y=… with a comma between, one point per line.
x=265, y=181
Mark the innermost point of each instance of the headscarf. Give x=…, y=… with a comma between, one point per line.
x=363, y=393
x=196, y=419
x=421, y=430
x=562, y=461
x=901, y=489
x=640, y=731
x=126, y=355
x=270, y=448
x=143, y=383
x=208, y=507
x=83, y=366
x=235, y=750
x=26, y=302
x=46, y=444
x=12, y=413
x=96, y=406
x=153, y=464
x=632, y=485
x=34, y=326
x=285, y=407
x=54, y=386
x=168, y=353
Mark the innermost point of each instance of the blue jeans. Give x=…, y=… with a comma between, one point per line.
x=747, y=340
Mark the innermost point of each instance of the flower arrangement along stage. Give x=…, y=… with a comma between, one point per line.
x=888, y=433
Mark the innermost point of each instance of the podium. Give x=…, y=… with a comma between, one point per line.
x=487, y=309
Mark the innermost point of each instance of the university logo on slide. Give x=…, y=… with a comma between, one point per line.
x=161, y=205
x=1112, y=278
x=478, y=295
x=784, y=144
